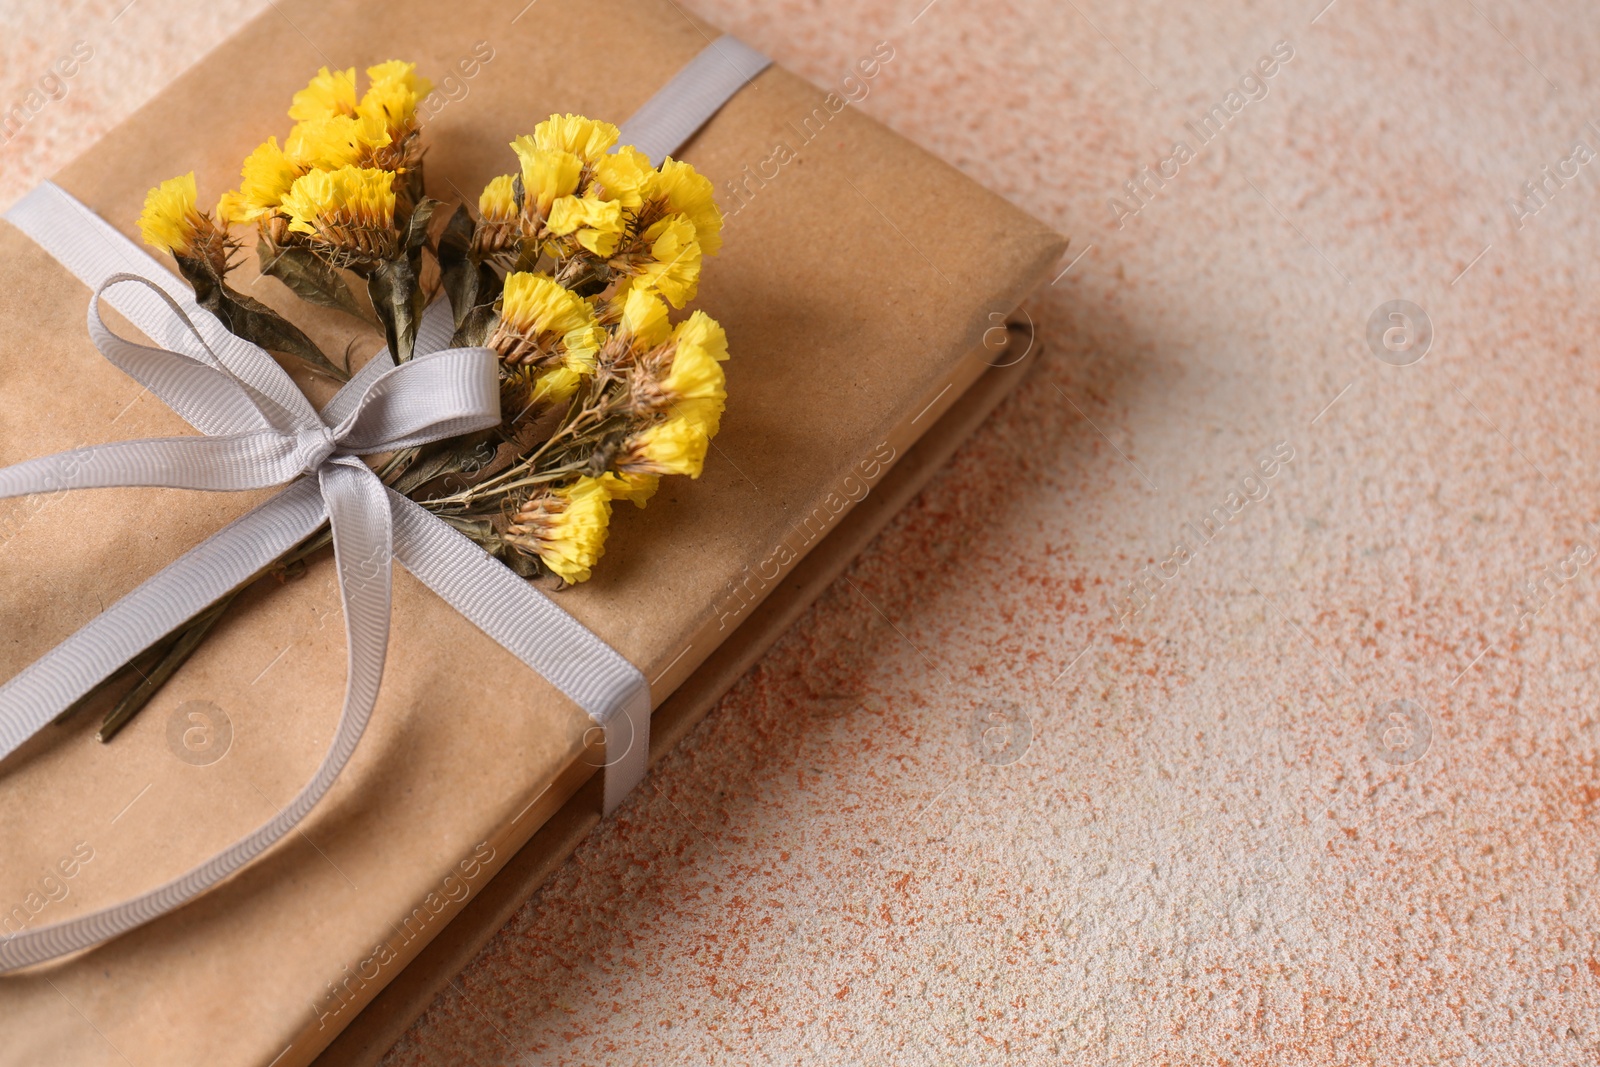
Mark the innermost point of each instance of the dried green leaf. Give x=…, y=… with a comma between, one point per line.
x=252, y=320
x=475, y=328
x=457, y=270
x=311, y=278
x=416, y=235
x=521, y=564
x=467, y=455
x=472, y=286
x=175, y=653
x=480, y=530
x=397, y=298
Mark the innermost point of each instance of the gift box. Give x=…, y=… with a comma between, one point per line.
x=858, y=280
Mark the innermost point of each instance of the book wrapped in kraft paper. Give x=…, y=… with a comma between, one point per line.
x=858, y=279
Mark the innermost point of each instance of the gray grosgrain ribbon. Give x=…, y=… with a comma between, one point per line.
x=259, y=431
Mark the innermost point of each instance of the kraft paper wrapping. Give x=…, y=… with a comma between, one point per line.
x=858, y=277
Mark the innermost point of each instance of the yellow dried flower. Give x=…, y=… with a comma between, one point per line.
x=693, y=387
x=328, y=94
x=547, y=174
x=554, y=386
x=351, y=208
x=690, y=193
x=170, y=221
x=540, y=321
x=626, y=176
x=501, y=229
x=565, y=528
x=696, y=389
x=643, y=319
x=594, y=223
x=394, y=94
x=336, y=141
x=498, y=201
x=676, y=446
x=585, y=138
x=265, y=177
x=673, y=269
x=705, y=332
x=635, y=487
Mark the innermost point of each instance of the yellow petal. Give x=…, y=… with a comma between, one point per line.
x=676, y=446
x=498, y=202
x=266, y=176
x=644, y=317
x=231, y=208
x=635, y=487
x=547, y=175
x=555, y=386
x=585, y=138
x=331, y=143
x=394, y=94
x=169, y=219
x=597, y=224
x=696, y=387
x=351, y=196
x=328, y=94
x=704, y=331
x=573, y=541
x=690, y=193
x=626, y=176
x=674, y=270
x=535, y=306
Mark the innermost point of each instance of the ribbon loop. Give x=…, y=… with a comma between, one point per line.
x=274, y=401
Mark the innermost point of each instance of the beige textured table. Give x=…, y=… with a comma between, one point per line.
x=1114, y=747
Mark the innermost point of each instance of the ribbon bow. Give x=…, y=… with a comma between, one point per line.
x=261, y=431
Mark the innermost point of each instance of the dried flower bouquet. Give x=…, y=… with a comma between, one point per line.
x=569, y=270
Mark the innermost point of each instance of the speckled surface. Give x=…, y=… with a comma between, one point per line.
x=1187, y=846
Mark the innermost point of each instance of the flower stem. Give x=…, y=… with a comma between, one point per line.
x=158, y=663
x=176, y=654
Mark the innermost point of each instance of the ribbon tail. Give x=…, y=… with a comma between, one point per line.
x=531, y=627
x=218, y=464
x=164, y=602
x=698, y=91
x=352, y=498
